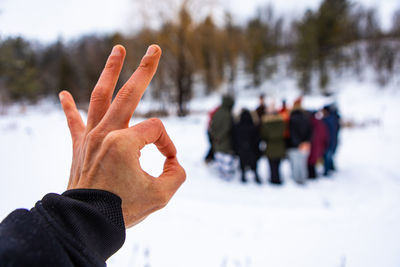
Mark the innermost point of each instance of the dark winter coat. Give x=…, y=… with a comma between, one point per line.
x=319, y=140
x=221, y=128
x=260, y=111
x=272, y=132
x=81, y=227
x=246, y=141
x=332, y=121
x=299, y=128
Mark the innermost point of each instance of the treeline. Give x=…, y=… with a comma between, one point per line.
x=337, y=36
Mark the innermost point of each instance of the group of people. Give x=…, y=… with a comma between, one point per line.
x=304, y=137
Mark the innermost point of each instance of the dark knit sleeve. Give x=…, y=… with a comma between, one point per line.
x=81, y=227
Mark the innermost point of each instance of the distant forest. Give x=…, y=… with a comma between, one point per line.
x=337, y=36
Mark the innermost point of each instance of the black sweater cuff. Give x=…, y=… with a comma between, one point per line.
x=81, y=227
x=89, y=222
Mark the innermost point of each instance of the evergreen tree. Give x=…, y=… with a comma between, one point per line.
x=320, y=37
x=256, y=40
x=233, y=43
x=206, y=37
x=18, y=69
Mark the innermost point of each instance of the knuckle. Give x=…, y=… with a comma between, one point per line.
x=98, y=94
x=111, y=140
x=111, y=63
x=69, y=108
x=66, y=104
x=115, y=143
x=93, y=139
x=145, y=65
x=156, y=122
x=126, y=92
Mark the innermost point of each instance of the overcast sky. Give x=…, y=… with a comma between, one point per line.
x=48, y=20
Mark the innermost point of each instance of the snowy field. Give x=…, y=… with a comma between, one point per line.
x=351, y=219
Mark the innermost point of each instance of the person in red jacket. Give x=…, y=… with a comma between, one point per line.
x=319, y=143
x=285, y=113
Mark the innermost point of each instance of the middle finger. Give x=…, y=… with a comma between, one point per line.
x=128, y=97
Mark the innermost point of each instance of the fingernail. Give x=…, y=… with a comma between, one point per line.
x=151, y=50
x=61, y=96
x=116, y=51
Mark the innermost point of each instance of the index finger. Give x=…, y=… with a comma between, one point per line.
x=128, y=97
x=152, y=131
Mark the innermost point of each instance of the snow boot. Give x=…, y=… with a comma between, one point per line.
x=244, y=177
x=257, y=178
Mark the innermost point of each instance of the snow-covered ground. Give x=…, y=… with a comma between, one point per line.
x=351, y=219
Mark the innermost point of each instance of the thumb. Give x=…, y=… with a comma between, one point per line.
x=172, y=177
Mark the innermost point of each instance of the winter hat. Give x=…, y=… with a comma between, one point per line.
x=328, y=108
x=228, y=101
x=297, y=103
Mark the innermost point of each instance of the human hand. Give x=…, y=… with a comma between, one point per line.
x=106, y=151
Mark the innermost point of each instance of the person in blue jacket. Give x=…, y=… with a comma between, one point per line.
x=332, y=122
